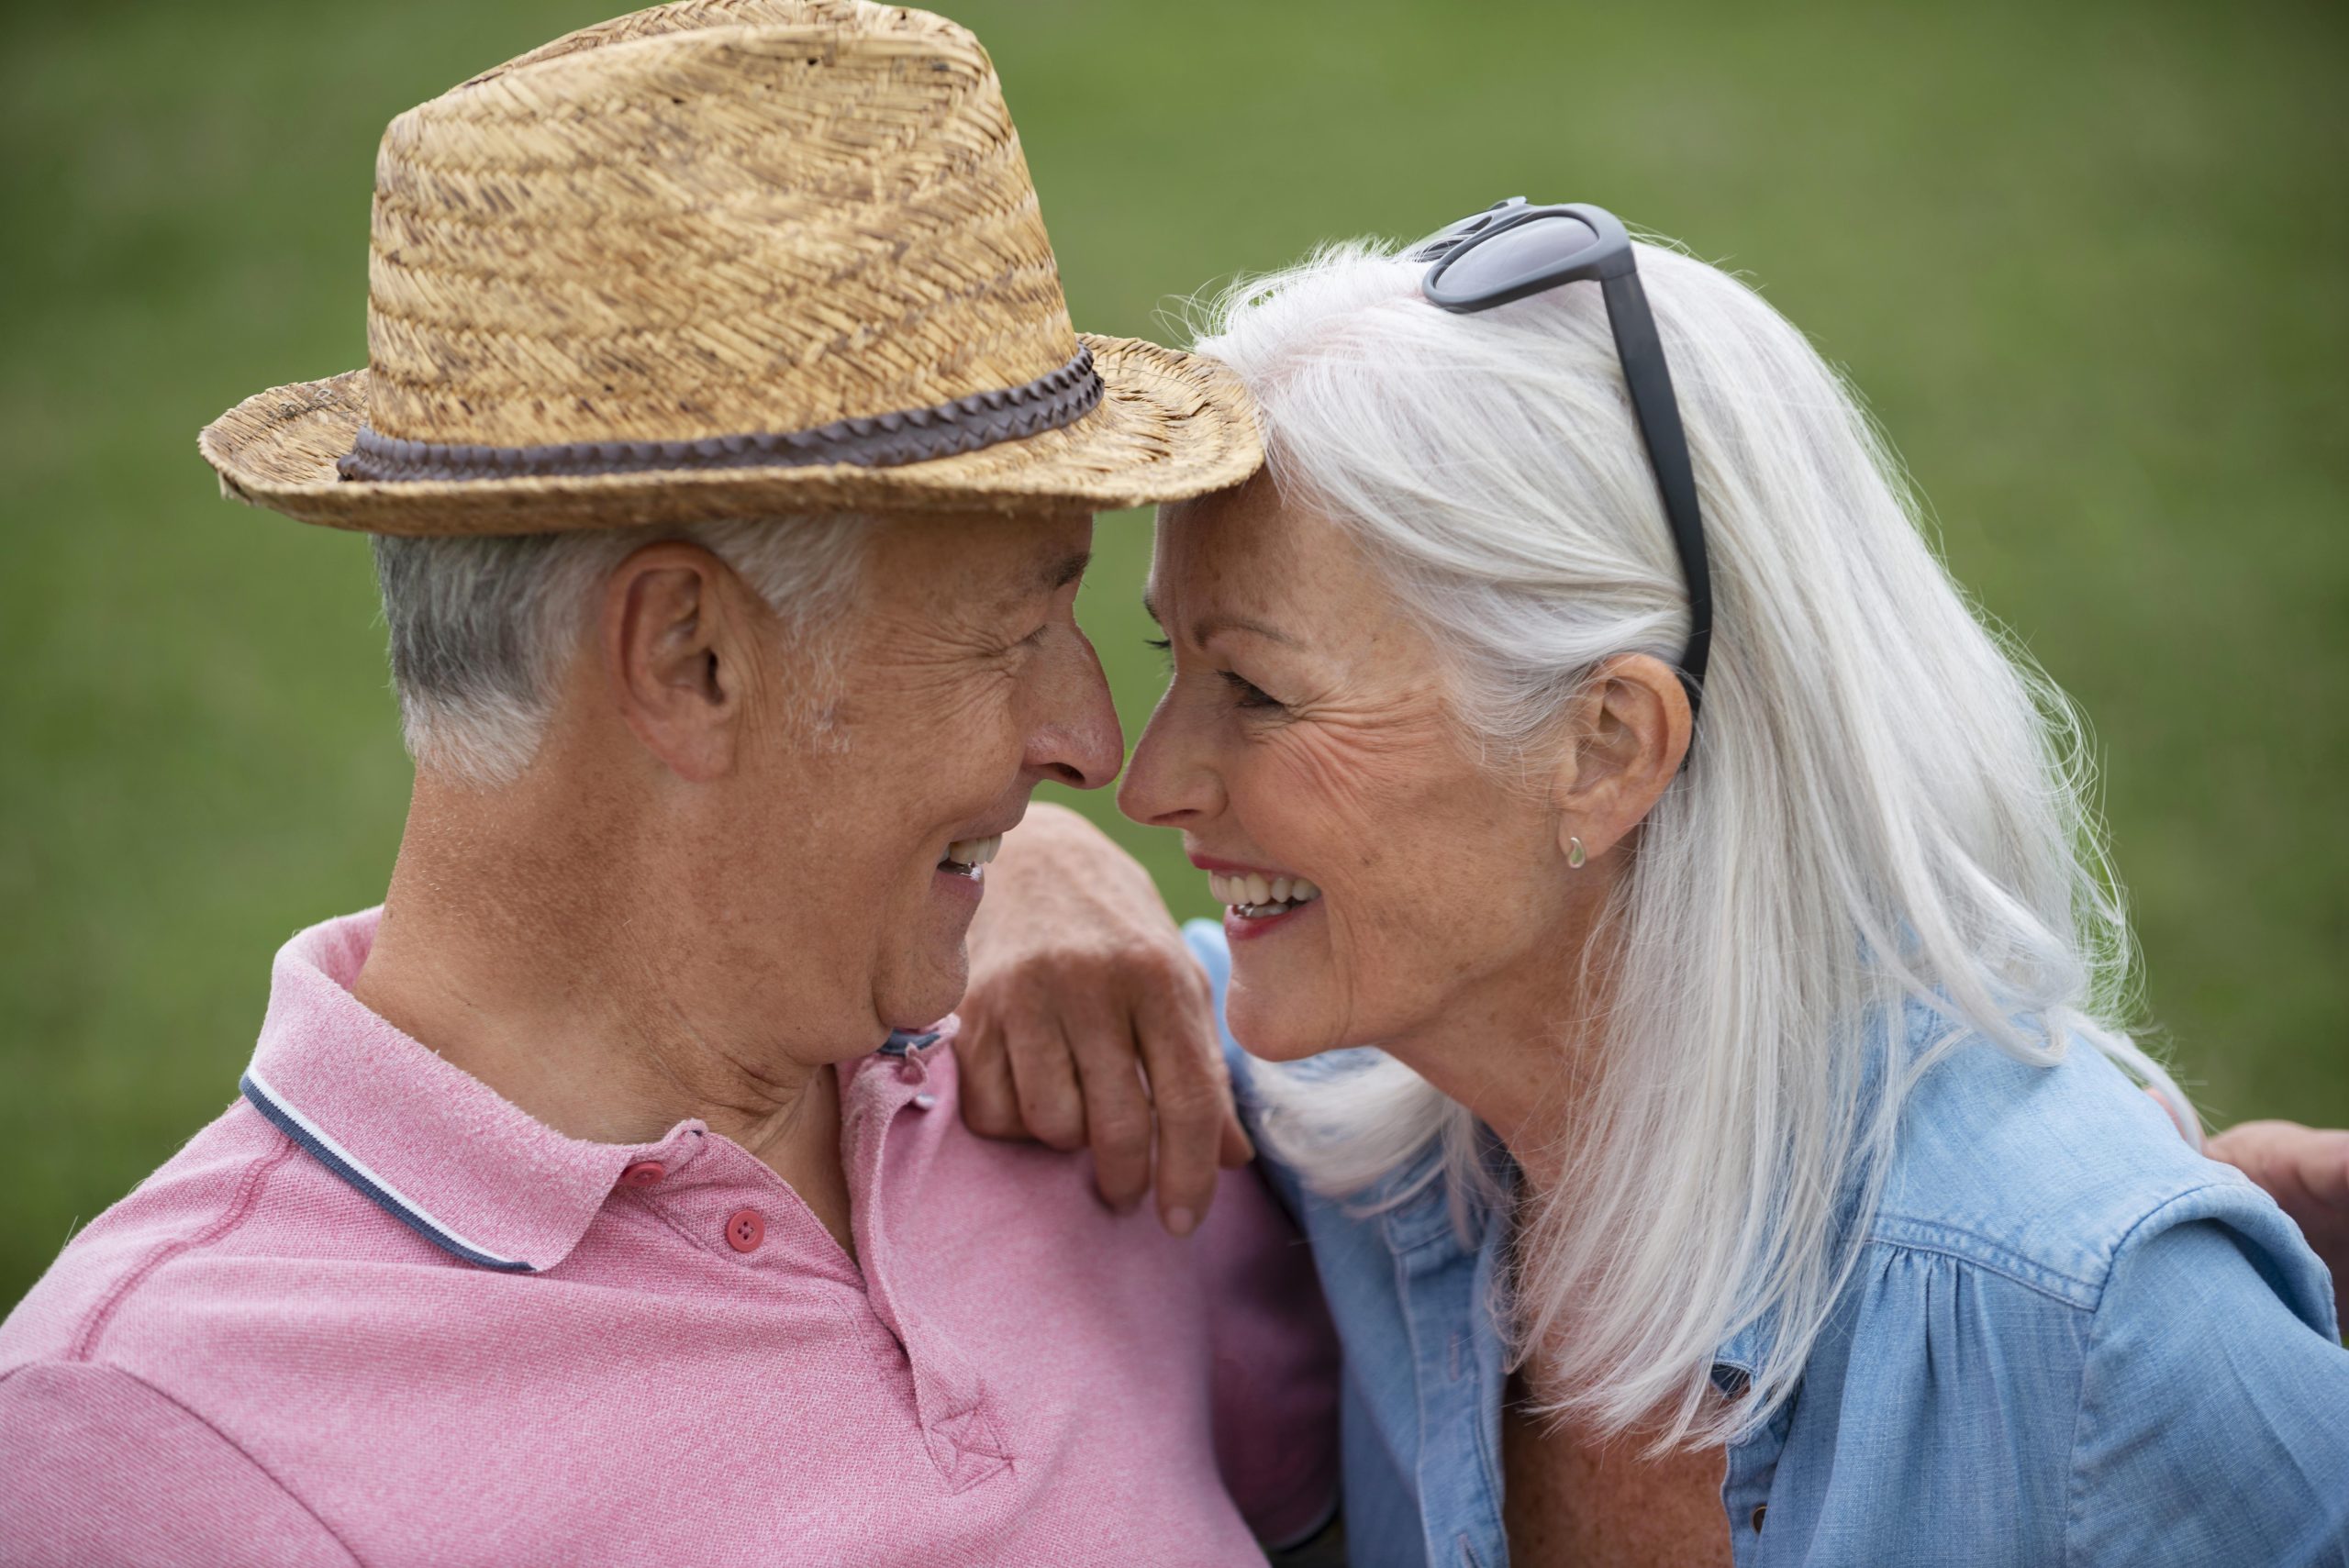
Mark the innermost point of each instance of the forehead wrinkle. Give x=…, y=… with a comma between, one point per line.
x=1041, y=575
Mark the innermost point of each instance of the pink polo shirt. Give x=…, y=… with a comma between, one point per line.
x=375, y=1314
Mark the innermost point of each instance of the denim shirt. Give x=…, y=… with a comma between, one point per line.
x=2069, y=1340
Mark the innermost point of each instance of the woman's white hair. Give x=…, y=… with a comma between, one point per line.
x=481, y=627
x=1883, y=800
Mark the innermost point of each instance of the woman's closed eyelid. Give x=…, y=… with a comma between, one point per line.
x=1249, y=693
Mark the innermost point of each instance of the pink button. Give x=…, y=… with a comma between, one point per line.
x=745, y=1229
x=643, y=1173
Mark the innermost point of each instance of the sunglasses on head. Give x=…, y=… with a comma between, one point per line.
x=1512, y=249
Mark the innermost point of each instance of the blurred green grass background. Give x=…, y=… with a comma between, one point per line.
x=2085, y=261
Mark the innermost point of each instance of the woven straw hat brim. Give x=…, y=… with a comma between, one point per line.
x=1169, y=427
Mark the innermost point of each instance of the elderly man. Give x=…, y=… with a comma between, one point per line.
x=604, y=1197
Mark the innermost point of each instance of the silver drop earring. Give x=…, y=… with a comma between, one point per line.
x=1574, y=857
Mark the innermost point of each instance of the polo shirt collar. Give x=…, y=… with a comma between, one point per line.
x=426, y=1141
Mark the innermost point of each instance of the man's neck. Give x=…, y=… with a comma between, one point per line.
x=526, y=947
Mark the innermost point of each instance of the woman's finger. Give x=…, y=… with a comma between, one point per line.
x=1189, y=1092
x=990, y=1100
x=1116, y=1108
x=1052, y=1105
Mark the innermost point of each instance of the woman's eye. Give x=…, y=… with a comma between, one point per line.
x=1247, y=693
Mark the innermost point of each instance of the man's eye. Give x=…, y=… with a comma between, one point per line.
x=1246, y=693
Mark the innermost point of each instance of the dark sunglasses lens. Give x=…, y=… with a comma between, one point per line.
x=1495, y=265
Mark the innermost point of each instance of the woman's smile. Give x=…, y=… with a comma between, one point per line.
x=1255, y=898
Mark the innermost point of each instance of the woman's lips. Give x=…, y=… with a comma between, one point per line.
x=1256, y=899
x=1235, y=868
x=1239, y=928
x=1234, y=884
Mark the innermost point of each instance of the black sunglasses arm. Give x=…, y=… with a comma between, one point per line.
x=1641, y=353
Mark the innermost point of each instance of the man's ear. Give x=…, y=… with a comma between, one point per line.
x=1626, y=736
x=675, y=657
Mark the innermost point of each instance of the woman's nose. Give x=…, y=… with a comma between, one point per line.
x=1167, y=782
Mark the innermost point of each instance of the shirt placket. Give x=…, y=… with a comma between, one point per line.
x=1456, y=1375
x=958, y=1423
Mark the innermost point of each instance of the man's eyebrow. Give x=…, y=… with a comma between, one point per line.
x=1060, y=571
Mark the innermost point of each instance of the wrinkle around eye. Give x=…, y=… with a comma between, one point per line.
x=1249, y=694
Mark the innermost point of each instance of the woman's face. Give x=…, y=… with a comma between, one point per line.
x=1306, y=735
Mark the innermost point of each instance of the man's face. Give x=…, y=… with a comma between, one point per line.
x=959, y=680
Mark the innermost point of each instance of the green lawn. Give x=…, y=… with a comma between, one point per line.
x=2086, y=260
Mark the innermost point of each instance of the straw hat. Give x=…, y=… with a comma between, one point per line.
x=724, y=257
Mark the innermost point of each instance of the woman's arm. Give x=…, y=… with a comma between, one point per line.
x=2224, y=1446
x=1089, y=1024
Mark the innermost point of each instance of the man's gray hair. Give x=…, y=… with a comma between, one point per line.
x=481, y=627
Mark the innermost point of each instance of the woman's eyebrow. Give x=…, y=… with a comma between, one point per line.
x=1208, y=626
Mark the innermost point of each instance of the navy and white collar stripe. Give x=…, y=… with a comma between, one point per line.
x=342, y=1163
x=902, y=1041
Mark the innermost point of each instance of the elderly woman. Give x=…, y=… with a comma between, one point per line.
x=1715, y=1125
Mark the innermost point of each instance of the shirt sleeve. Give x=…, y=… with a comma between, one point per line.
x=101, y=1467
x=1276, y=1368
x=1277, y=1363
x=2225, y=1446
x=1213, y=950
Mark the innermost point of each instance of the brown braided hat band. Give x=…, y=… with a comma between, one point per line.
x=884, y=440
x=724, y=257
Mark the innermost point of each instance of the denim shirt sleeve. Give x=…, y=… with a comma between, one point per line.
x=2231, y=1446
x=1208, y=945
x=1420, y=1396
x=2190, y=1407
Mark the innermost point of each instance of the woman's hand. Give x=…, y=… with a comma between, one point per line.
x=2306, y=1170
x=1088, y=1021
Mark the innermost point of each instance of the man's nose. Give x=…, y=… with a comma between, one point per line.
x=1075, y=738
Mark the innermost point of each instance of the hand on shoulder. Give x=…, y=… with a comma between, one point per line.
x=2306, y=1170
x=1089, y=1024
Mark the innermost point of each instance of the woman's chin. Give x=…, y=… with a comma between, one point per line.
x=1274, y=1027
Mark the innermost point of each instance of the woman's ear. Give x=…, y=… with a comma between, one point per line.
x=674, y=657
x=1626, y=735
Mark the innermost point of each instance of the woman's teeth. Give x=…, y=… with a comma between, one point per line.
x=1257, y=897
x=966, y=856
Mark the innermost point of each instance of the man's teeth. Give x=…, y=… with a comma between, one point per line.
x=1253, y=892
x=973, y=851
